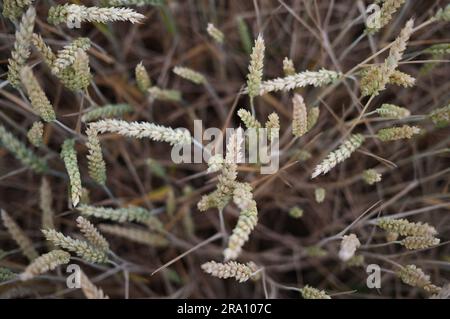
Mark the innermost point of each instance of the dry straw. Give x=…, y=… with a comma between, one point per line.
x=21, y=152
x=69, y=156
x=21, y=51
x=240, y=272
x=341, y=154
x=45, y=263
x=16, y=233
x=81, y=248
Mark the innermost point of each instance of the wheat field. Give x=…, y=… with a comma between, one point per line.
x=333, y=181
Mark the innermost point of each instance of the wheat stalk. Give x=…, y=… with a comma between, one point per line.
x=21, y=51
x=341, y=154
x=69, y=156
x=16, y=233
x=45, y=263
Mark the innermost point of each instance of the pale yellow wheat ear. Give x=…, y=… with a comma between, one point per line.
x=299, y=116
x=39, y=101
x=21, y=51
x=255, y=69
x=106, y=111
x=69, y=156
x=35, y=134
x=248, y=119
x=25, y=155
x=376, y=78
x=441, y=116
x=92, y=234
x=164, y=94
x=96, y=163
x=215, y=33
x=384, y=16
x=17, y=234
x=397, y=133
x=81, y=248
x=392, y=111
x=341, y=154
x=248, y=218
x=136, y=235
x=309, y=292
x=415, y=277
x=420, y=242
x=189, y=74
x=227, y=179
x=142, y=78
x=12, y=9
x=319, y=194
x=45, y=263
x=405, y=227
x=143, y=130
x=371, y=176
x=302, y=79
x=121, y=215
x=239, y=272
x=90, y=290
x=349, y=245
x=73, y=15
x=67, y=55
x=288, y=67
x=273, y=125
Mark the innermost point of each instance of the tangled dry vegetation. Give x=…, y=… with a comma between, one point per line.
x=91, y=95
